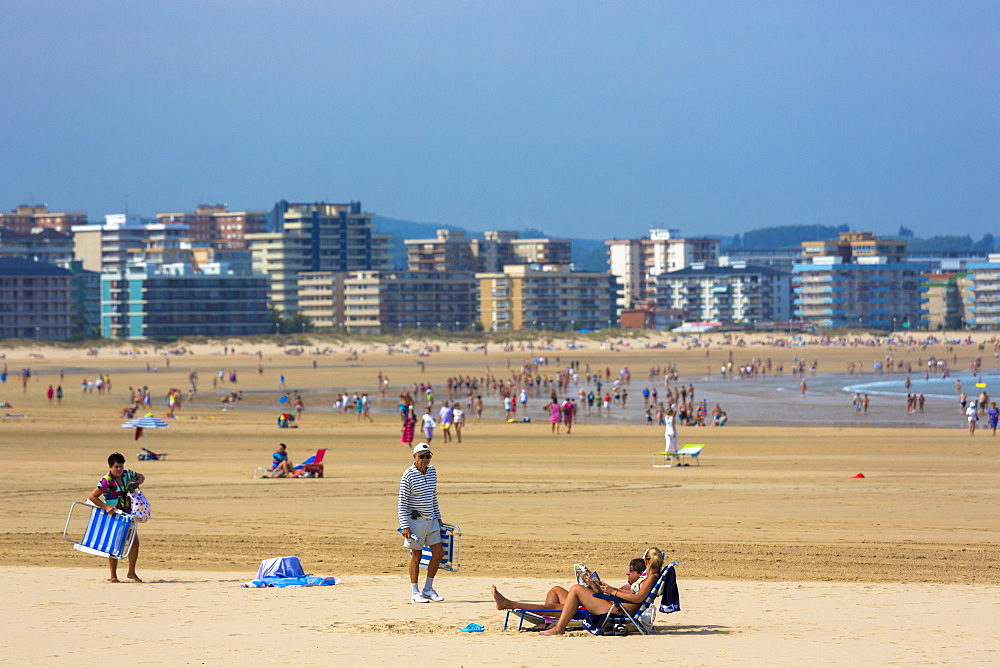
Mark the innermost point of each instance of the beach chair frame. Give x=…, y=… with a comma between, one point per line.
x=544, y=617
x=106, y=535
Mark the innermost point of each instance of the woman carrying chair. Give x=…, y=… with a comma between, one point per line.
x=114, y=487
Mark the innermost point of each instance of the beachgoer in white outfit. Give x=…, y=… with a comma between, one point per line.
x=671, y=431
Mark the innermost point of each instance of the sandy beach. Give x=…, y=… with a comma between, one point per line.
x=786, y=557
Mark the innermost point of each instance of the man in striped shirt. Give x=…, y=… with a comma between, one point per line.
x=420, y=521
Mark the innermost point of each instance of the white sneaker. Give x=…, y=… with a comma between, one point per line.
x=419, y=598
x=432, y=595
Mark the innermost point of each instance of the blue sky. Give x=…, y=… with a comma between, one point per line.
x=585, y=119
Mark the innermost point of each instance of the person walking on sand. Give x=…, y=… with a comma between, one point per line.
x=428, y=424
x=972, y=412
x=993, y=414
x=445, y=417
x=115, y=488
x=568, y=409
x=409, y=426
x=420, y=521
x=555, y=415
x=459, y=422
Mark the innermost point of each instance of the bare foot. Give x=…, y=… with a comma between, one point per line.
x=134, y=578
x=551, y=632
x=113, y=580
x=501, y=600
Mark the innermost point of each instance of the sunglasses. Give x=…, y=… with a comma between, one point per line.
x=424, y=456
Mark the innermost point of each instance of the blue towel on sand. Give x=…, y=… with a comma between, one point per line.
x=303, y=581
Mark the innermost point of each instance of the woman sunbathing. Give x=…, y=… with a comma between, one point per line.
x=569, y=601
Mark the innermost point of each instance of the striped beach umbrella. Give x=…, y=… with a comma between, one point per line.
x=143, y=423
x=146, y=422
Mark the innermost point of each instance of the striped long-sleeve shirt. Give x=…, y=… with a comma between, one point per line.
x=418, y=491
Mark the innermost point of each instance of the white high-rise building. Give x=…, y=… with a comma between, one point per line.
x=637, y=262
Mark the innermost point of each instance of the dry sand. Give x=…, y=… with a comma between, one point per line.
x=786, y=558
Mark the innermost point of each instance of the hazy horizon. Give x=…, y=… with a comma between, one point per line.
x=572, y=118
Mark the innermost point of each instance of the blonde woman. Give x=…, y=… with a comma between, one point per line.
x=580, y=595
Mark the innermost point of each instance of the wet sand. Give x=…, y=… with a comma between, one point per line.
x=769, y=508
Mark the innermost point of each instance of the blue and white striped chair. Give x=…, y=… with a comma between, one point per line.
x=106, y=535
x=451, y=543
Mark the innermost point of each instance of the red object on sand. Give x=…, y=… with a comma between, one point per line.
x=138, y=433
x=860, y=475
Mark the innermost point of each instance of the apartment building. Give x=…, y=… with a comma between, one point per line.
x=851, y=286
x=215, y=225
x=981, y=294
x=174, y=300
x=321, y=298
x=852, y=246
x=390, y=301
x=42, y=245
x=125, y=239
x=637, y=262
x=311, y=237
x=449, y=251
x=555, y=297
x=24, y=219
x=37, y=300
x=944, y=306
x=734, y=294
x=453, y=250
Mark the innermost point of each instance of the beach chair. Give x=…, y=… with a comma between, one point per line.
x=102, y=534
x=148, y=455
x=618, y=620
x=663, y=459
x=312, y=467
x=451, y=543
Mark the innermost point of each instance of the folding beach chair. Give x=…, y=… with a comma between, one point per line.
x=687, y=451
x=312, y=467
x=451, y=543
x=148, y=455
x=618, y=620
x=104, y=535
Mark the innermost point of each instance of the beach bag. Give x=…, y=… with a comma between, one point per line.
x=140, y=505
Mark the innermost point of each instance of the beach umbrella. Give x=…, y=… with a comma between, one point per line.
x=143, y=423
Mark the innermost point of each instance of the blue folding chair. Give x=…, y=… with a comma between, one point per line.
x=106, y=535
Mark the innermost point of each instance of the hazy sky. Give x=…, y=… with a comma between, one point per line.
x=586, y=119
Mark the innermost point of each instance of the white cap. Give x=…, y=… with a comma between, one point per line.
x=421, y=447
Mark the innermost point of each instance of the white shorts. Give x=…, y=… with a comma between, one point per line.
x=424, y=531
